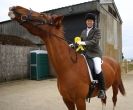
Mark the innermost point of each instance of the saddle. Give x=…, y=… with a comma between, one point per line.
x=91, y=69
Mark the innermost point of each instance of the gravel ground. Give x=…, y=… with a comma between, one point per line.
x=43, y=95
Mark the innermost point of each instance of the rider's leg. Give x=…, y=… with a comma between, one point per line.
x=101, y=84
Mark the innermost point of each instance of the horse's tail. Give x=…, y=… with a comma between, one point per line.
x=121, y=88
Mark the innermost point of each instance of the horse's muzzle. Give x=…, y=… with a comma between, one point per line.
x=11, y=14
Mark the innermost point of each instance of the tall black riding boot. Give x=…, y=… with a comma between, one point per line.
x=101, y=85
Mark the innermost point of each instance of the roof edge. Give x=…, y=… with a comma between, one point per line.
x=76, y=8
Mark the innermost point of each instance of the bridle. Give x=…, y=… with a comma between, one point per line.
x=36, y=22
x=28, y=18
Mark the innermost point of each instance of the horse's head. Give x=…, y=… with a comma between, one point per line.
x=36, y=23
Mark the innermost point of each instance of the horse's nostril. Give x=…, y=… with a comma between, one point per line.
x=11, y=8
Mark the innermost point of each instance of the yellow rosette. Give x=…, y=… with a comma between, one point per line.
x=80, y=47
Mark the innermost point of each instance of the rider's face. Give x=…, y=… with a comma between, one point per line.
x=89, y=23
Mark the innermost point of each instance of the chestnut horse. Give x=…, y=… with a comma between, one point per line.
x=72, y=74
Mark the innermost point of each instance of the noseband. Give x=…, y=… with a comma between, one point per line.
x=35, y=21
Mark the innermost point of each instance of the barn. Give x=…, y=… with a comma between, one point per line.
x=16, y=42
x=108, y=20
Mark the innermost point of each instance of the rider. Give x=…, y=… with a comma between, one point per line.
x=90, y=40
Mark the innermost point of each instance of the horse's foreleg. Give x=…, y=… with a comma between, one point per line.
x=70, y=105
x=80, y=104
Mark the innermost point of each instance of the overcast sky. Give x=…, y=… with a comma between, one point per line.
x=124, y=7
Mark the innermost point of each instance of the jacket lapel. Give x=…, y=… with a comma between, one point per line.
x=85, y=34
x=91, y=31
x=90, y=35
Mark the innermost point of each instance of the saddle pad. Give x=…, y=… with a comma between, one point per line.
x=91, y=70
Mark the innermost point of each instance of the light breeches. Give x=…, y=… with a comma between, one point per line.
x=97, y=64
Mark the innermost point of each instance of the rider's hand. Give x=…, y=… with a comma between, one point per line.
x=71, y=45
x=81, y=43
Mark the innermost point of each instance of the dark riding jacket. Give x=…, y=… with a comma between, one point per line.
x=92, y=48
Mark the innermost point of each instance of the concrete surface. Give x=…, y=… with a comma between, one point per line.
x=43, y=95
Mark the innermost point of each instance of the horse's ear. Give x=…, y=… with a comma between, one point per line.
x=58, y=20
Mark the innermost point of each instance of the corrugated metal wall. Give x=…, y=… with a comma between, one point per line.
x=14, y=62
x=13, y=28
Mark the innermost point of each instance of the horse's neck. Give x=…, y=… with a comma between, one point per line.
x=58, y=51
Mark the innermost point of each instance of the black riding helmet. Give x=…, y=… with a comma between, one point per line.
x=90, y=16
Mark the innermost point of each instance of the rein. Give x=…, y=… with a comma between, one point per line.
x=28, y=18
